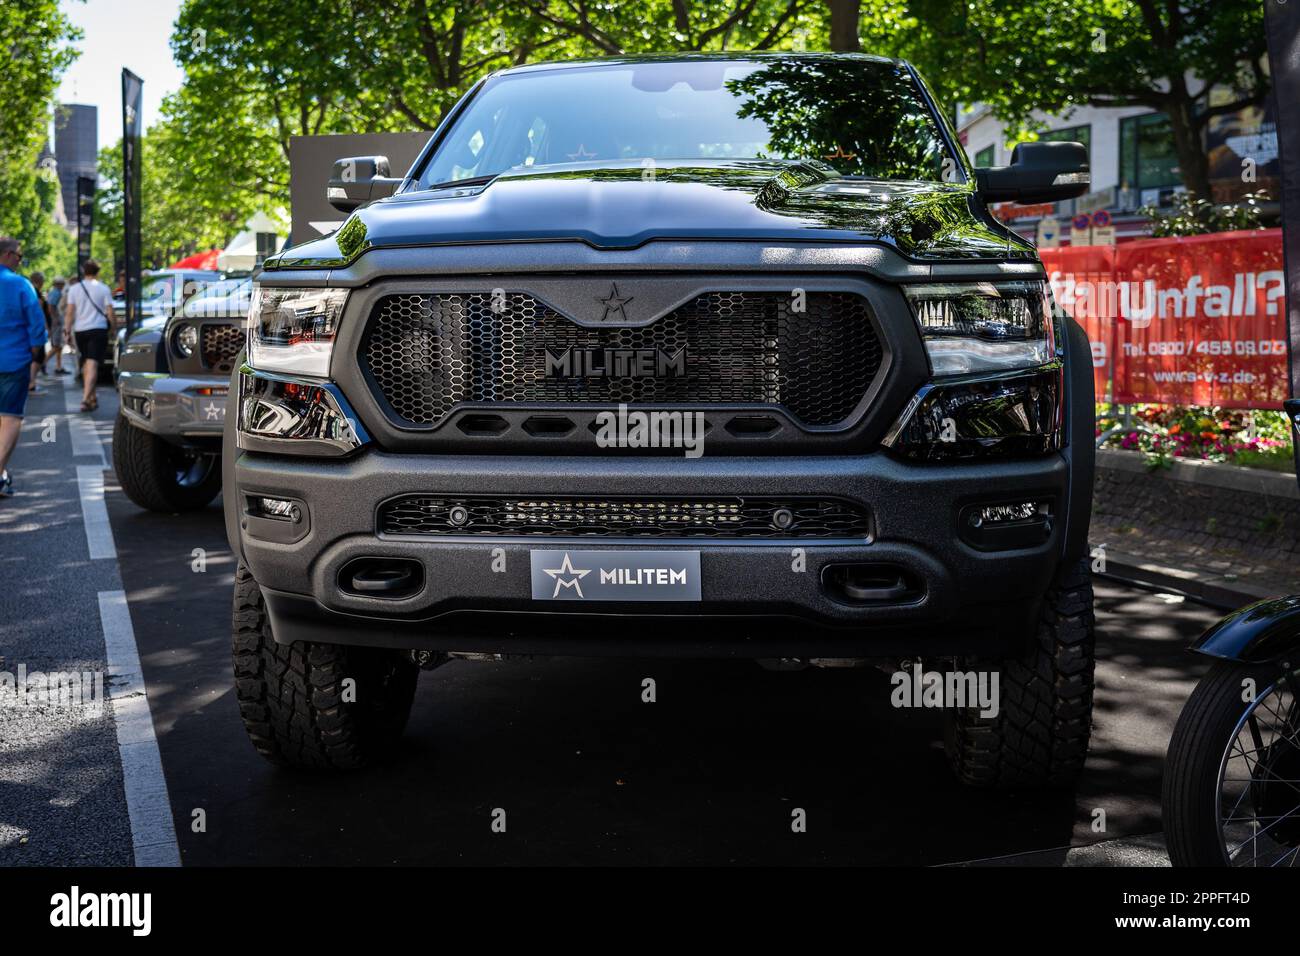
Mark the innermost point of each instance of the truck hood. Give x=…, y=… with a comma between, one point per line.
x=624, y=205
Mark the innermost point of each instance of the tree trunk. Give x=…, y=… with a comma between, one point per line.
x=1193, y=164
x=844, y=25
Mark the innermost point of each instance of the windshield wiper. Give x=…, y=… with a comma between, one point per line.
x=472, y=181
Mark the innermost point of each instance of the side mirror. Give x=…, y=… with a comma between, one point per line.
x=1039, y=172
x=358, y=180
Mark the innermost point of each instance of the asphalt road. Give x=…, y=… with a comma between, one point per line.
x=584, y=770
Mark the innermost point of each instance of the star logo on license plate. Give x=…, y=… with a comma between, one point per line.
x=567, y=570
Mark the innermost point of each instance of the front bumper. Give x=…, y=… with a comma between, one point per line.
x=754, y=603
x=181, y=409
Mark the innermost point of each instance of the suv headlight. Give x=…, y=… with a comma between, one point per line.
x=292, y=330
x=973, y=328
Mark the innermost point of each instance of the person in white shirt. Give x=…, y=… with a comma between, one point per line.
x=88, y=315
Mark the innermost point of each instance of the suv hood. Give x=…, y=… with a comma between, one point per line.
x=624, y=205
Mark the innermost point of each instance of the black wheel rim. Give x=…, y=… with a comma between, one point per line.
x=192, y=468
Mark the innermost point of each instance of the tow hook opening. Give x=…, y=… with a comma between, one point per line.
x=387, y=578
x=872, y=583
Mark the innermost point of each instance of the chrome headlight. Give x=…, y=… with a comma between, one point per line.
x=292, y=330
x=982, y=327
x=187, y=339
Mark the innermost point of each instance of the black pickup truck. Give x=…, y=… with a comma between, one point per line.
x=693, y=356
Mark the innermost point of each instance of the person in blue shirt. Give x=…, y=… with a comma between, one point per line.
x=22, y=341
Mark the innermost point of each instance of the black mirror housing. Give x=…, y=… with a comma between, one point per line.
x=357, y=180
x=1039, y=172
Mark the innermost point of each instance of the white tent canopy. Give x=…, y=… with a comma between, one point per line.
x=241, y=254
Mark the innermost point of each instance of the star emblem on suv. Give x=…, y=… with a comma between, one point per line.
x=614, y=303
x=567, y=570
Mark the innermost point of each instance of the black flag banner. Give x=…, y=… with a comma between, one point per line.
x=132, y=100
x=85, y=218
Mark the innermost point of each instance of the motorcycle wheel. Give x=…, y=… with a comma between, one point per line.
x=1231, y=789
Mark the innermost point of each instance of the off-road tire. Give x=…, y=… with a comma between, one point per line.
x=146, y=470
x=1190, y=794
x=291, y=696
x=1039, y=737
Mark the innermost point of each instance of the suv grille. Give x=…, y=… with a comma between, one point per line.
x=427, y=353
x=631, y=517
x=220, y=343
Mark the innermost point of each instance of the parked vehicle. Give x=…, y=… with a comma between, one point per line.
x=172, y=389
x=162, y=292
x=443, y=441
x=1231, y=789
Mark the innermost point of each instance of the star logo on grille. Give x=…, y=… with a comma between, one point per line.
x=613, y=304
x=567, y=570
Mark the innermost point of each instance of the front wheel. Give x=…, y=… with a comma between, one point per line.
x=1039, y=735
x=1231, y=789
x=316, y=706
x=160, y=476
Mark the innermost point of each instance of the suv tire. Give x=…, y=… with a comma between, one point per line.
x=154, y=473
x=291, y=696
x=1039, y=737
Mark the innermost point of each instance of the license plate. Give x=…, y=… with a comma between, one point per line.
x=616, y=575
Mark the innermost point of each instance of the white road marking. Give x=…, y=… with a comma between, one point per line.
x=153, y=833
x=94, y=513
x=85, y=440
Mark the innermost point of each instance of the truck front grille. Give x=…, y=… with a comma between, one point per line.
x=723, y=517
x=428, y=353
x=219, y=343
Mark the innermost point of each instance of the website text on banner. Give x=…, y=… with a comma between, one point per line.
x=1197, y=320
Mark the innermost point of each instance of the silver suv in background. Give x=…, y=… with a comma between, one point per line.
x=172, y=389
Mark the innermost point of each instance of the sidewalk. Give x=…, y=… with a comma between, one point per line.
x=1214, y=574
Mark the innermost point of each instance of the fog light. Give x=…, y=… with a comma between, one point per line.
x=1002, y=514
x=1006, y=525
x=146, y=407
x=277, y=508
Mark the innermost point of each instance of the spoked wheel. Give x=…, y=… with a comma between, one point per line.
x=1259, y=782
x=1232, y=782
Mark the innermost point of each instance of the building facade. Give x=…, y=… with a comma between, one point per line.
x=76, y=148
x=1133, y=163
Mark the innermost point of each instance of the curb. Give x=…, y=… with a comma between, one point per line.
x=1200, y=585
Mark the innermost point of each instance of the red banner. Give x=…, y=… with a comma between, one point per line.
x=1188, y=321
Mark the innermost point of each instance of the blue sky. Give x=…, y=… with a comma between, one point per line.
x=121, y=33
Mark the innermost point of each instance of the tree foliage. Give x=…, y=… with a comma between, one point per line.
x=1050, y=55
x=37, y=38
x=256, y=75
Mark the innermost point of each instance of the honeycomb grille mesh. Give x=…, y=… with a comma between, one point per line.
x=429, y=352
x=731, y=517
x=220, y=343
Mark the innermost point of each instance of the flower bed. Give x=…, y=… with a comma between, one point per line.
x=1162, y=433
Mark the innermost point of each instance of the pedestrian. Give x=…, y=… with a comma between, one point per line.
x=88, y=317
x=55, y=328
x=22, y=339
x=37, y=279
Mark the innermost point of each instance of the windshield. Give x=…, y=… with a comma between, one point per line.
x=864, y=117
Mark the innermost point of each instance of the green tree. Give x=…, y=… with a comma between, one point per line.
x=1022, y=55
x=257, y=75
x=36, y=36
